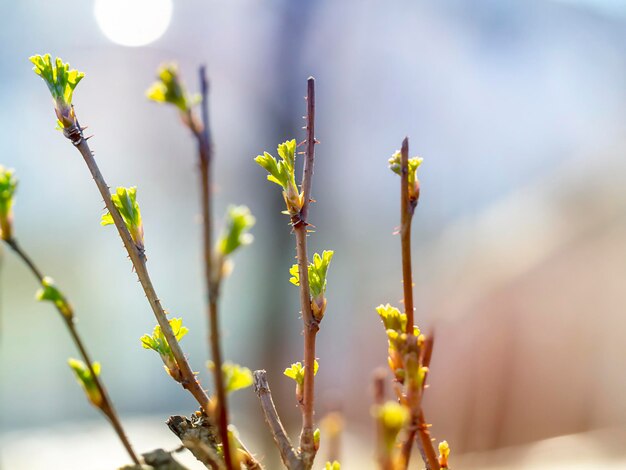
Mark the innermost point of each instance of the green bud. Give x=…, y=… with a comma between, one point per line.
x=170, y=89
x=444, y=453
x=392, y=417
x=125, y=200
x=61, y=82
x=236, y=377
x=395, y=165
x=392, y=318
x=332, y=466
x=317, y=436
x=317, y=281
x=238, y=222
x=8, y=185
x=50, y=292
x=87, y=381
x=158, y=343
x=283, y=174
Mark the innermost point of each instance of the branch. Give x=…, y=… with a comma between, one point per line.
x=262, y=389
x=212, y=274
x=406, y=216
x=137, y=257
x=311, y=325
x=199, y=436
x=107, y=405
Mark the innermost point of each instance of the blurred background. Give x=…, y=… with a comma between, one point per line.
x=518, y=109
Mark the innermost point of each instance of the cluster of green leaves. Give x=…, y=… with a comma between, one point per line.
x=87, y=381
x=158, y=343
x=317, y=281
x=61, y=81
x=169, y=89
x=125, y=200
x=8, y=186
x=236, y=377
x=239, y=220
x=283, y=174
x=50, y=292
x=296, y=372
x=395, y=164
x=401, y=360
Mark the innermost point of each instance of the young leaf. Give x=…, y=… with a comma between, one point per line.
x=170, y=89
x=8, y=186
x=87, y=381
x=395, y=165
x=392, y=318
x=50, y=292
x=317, y=436
x=317, y=281
x=158, y=343
x=125, y=200
x=236, y=377
x=283, y=174
x=61, y=81
x=296, y=371
x=332, y=466
x=238, y=222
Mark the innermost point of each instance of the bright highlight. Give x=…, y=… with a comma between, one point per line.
x=133, y=22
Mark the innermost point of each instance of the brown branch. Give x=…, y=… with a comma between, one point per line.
x=285, y=448
x=311, y=325
x=406, y=216
x=107, y=405
x=138, y=259
x=198, y=435
x=212, y=274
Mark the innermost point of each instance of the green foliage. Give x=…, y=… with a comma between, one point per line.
x=158, y=343
x=392, y=318
x=8, y=186
x=236, y=377
x=87, y=381
x=296, y=372
x=283, y=174
x=332, y=466
x=125, y=200
x=238, y=222
x=50, y=292
x=61, y=81
x=395, y=165
x=170, y=89
x=317, y=281
x=392, y=417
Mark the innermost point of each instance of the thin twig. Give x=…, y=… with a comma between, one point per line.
x=189, y=380
x=379, y=398
x=311, y=325
x=107, y=405
x=406, y=216
x=212, y=276
x=262, y=389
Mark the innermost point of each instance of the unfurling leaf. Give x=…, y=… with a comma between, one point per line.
x=87, y=381
x=125, y=200
x=236, y=377
x=50, y=292
x=238, y=222
x=332, y=466
x=61, y=81
x=170, y=89
x=283, y=174
x=158, y=343
x=317, y=281
x=296, y=371
x=395, y=165
x=8, y=186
